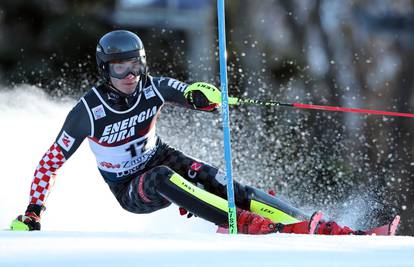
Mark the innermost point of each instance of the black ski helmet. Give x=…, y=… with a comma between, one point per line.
x=119, y=45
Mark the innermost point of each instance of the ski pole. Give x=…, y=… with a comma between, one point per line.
x=237, y=101
x=225, y=113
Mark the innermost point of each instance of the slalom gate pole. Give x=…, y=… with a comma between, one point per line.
x=237, y=101
x=225, y=114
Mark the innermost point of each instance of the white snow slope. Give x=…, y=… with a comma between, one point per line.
x=85, y=226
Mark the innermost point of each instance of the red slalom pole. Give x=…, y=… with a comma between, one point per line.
x=353, y=110
x=235, y=101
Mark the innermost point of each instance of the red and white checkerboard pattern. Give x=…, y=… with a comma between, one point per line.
x=44, y=175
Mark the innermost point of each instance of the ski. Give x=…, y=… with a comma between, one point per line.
x=387, y=229
x=314, y=221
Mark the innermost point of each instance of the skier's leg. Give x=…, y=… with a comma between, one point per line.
x=278, y=211
x=213, y=180
x=247, y=198
x=178, y=190
x=272, y=207
x=202, y=174
x=213, y=208
x=162, y=185
x=132, y=198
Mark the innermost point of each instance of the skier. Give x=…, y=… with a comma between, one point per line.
x=145, y=174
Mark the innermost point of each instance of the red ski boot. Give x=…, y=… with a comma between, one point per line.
x=332, y=228
x=253, y=224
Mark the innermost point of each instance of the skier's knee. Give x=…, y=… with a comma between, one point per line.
x=159, y=175
x=143, y=194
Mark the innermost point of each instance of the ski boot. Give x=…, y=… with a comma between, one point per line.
x=253, y=224
x=332, y=228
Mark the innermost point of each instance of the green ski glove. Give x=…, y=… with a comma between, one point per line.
x=201, y=93
x=209, y=92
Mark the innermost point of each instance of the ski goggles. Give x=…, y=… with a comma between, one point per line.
x=121, y=69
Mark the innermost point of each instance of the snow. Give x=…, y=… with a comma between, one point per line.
x=200, y=249
x=85, y=226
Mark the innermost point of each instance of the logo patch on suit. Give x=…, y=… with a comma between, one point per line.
x=66, y=141
x=180, y=86
x=221, y=178
x=195, y=166
x=148, y=92
x=98, y=112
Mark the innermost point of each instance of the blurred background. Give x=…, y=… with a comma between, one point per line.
x=342, y=53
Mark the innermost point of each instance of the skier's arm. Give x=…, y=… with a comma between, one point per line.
x=76, y=128
x=199, y=95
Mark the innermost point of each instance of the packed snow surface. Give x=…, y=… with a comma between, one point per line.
x=200, y=249
x=85, y=226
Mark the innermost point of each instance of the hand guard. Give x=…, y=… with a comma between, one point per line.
x=203, y=96
x=30, y=221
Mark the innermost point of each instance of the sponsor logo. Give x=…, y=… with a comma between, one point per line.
x=195, y=167
x=121, y=130
x=109, y=165
x=148, y=92
x=160, y=80
x=66, y=141
x=267, y=210
x=188, y=186
x=98, y=112
x=180, y=86
x=136, y=164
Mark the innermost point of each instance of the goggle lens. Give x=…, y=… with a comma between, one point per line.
x=122, y=69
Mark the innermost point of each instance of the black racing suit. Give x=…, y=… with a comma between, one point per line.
x=139, y=168
x=131, y=158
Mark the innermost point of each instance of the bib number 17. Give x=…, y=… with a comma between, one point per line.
x=135, y=148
